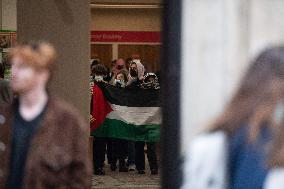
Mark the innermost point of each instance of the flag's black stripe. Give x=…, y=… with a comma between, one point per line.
x=131, y=97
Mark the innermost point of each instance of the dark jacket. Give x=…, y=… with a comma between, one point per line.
x=6, y=95
x=133, y=84
x=58, y=156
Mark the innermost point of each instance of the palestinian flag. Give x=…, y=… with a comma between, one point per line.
x=131, y=114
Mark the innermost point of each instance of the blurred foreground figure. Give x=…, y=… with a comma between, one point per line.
x=43, y=140
x=244, y=148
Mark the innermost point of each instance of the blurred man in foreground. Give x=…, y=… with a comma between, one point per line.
x=43, y=140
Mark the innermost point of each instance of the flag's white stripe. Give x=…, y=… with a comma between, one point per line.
x=136, y=115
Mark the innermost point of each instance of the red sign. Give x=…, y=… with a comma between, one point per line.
x=125, y=36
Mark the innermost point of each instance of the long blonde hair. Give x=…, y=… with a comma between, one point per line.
x=254, y=103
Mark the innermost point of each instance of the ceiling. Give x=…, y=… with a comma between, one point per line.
x=156, y=2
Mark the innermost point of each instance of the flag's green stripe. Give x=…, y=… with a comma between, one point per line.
x=113, y=128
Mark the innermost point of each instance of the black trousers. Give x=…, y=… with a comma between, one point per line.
x=109, y=150
x=119, y=151
x=140, y=156
x=99, y=150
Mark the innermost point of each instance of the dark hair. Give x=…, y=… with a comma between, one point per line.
x=100, y=69
x=132, y=62
x=2, y=70
x=95, y=62
x=254, y=103
x=128, y=60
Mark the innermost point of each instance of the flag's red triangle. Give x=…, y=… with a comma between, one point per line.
x=101, y=108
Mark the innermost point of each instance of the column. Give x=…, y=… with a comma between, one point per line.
x=219, y=39
x=65, y=24
x=9, y=14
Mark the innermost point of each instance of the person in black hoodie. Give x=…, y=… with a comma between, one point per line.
x=150, y=81
x=99, y=72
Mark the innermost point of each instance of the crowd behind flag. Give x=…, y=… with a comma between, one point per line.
x=123, y=113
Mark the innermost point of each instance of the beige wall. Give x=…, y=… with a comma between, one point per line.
x=9, y=14
x=102, y=19
x=219, y=38
x=66, y=25
x=126, y=19
x=266, y=24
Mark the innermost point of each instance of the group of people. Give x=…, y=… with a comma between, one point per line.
x=128, y=74
x=129, y=154
x=44, y=141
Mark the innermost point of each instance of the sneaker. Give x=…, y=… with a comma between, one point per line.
x=154, y=171
x=131, y=167
x=141, y=172
x=99, y=171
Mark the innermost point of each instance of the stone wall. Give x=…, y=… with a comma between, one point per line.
x=219, y=38
x=66, y=25
x=9, y=14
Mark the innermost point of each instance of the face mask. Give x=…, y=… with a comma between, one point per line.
x=119, y=83
x=120, y=67
x=99, y=78
x=133, y=73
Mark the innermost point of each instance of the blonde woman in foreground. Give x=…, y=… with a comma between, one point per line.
x=244, y=148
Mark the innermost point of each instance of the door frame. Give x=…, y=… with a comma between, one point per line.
x=170, y=95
